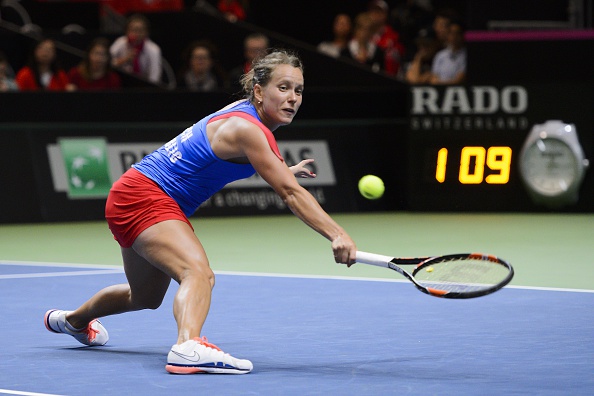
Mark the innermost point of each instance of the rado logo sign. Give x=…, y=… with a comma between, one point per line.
x=468, y=108
x=469, y=100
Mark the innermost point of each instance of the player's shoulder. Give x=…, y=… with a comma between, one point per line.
x=238, y=119
x=243, y=132
x=243, y=125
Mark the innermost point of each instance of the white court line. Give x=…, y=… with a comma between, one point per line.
x=110, y=269
x=52, y=264
x=95, y=269
x=550, y=289
x=353, y=278
x=13, y=392
x=65, y=273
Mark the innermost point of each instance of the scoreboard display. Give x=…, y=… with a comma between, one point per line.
x=465, y=144
x=465, y=172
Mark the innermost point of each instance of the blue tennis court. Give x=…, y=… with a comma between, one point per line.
x=306, y=336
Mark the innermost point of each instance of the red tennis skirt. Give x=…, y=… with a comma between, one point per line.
x=135, y=203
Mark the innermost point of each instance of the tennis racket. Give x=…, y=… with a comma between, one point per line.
x=463, y=275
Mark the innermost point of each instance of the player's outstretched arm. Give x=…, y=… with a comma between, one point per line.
x=297, y=198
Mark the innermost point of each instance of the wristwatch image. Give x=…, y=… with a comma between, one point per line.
x=552, y=164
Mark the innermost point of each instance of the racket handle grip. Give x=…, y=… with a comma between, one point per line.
x=373, y=259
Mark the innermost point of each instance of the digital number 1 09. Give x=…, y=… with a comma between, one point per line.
x=473, y=160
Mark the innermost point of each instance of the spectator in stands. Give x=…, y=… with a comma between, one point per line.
x=95, y=72
x=419, y=69
x=342, y=28
x=408, y=18
x=361, y=47
x=233, y=10
x=7, y=83
x=441, y=24
x=386, y=37
x=42, y=71
x=254, y=46
x=201, y=71
x=136, y=53
x=449, y=65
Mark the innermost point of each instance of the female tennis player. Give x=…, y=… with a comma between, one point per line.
x=148, y=207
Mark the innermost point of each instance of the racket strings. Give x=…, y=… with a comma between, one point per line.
x=462, y=275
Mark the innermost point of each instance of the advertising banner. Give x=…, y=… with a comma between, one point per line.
x=465, y=145
x=75, y=173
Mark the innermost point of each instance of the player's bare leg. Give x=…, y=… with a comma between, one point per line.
x=146, y=289
x=165, y=250
x=172, y=247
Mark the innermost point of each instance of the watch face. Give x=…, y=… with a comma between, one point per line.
x=549, y=166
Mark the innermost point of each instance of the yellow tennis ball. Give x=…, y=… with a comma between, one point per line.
x=371, y=187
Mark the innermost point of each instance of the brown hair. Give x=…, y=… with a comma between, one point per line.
x=84, y=65
x=140, y=18
x=263, y=67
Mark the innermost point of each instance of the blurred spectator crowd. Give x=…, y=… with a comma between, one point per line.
x=407, y=40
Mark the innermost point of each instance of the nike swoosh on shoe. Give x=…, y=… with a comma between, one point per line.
x=193, y=358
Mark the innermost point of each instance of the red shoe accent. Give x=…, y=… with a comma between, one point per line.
x=183, y=370
x=204, y=341
x=90, y=332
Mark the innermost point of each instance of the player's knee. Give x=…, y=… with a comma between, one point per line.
x=212, y=280
x=208, y=275
x=203, y=274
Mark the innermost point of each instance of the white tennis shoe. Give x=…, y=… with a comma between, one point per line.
x=93, y=335
x=200, y=356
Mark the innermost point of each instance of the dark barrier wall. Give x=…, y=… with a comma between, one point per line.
x=161, y=106
x=45, y=179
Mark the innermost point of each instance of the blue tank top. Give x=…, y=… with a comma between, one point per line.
x=188, y=170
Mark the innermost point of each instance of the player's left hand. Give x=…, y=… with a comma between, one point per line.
x=301, y=171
